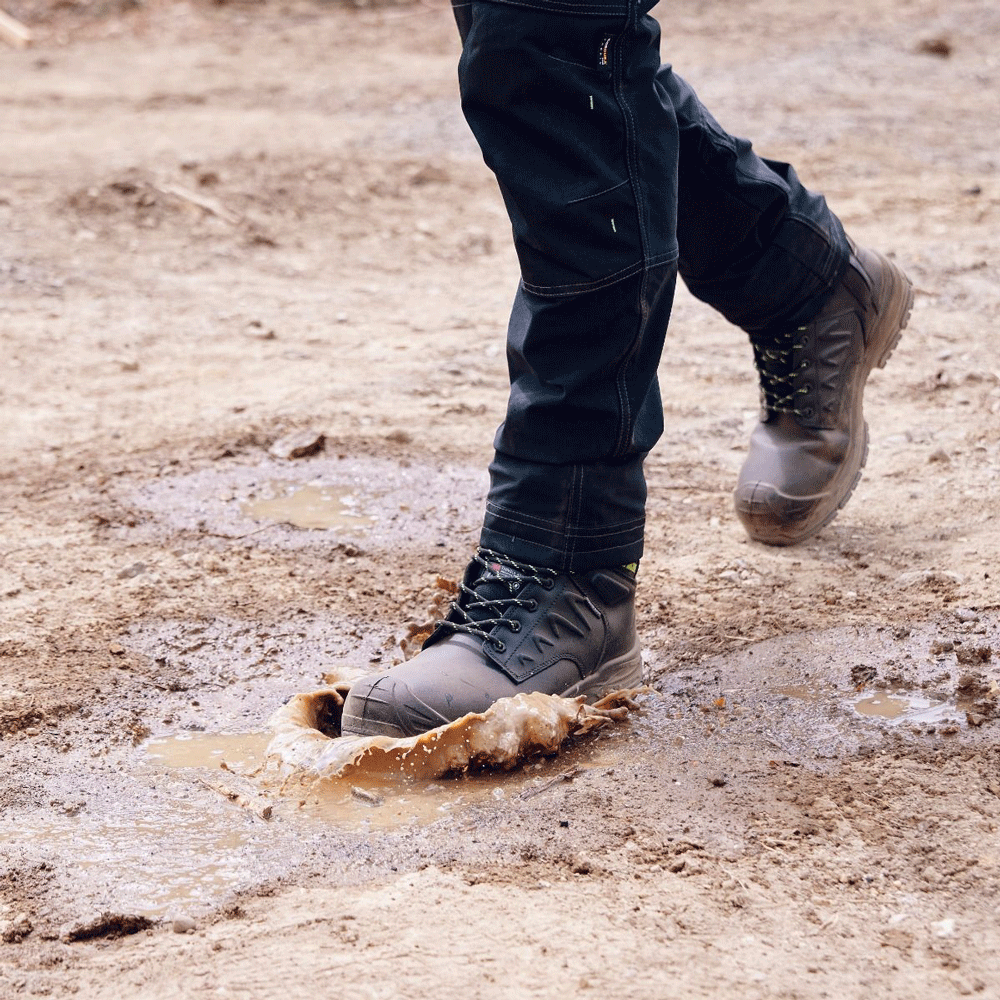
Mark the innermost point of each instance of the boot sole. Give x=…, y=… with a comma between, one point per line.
x=756, y=508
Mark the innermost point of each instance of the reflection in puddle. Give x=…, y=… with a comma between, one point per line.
x=891, y=706
x=310, y=507
x=171, y=859
x=244, y=751
x=802, y=692
x=905, y=707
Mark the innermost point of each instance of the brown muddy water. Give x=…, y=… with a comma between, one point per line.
x=311, y=507
x=371, y=800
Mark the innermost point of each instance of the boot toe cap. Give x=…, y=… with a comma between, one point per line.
x=385, y=705
x=775, y=518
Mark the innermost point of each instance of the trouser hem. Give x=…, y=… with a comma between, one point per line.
x=564, y=550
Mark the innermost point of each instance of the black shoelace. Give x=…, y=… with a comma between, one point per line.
x=479, y=609
x=780, y=365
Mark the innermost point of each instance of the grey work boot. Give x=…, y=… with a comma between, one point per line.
x=514, y=628
x=807, y=452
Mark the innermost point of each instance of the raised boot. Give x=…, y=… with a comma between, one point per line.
x=807, y=451
x=513, y=628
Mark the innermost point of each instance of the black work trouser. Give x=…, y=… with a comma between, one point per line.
x=616, y=179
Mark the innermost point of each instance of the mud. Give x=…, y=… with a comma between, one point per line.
x=309, y=507
x=307, y=743
x=237, y=234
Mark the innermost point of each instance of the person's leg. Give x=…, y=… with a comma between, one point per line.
x=755, y=244
x=820, y=312
x=584, y=147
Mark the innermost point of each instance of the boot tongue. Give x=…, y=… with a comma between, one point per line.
x=494, y=584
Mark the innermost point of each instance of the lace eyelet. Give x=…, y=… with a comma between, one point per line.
x=514, y=625
x=499, y=645
x=548, y=583
x=531, y=605
x=807, y=412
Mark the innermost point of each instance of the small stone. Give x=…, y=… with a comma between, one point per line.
x=937, y=45
x=966, y=615
x=939, y=456
x=863, y=674
x=974, y=655
x=583, y=864
x=301, y=444
x=107, y=924
x=130, y=572
x=116, y=649
x=183, y=925
x=16, y=930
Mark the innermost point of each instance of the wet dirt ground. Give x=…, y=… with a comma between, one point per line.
x=225, y=227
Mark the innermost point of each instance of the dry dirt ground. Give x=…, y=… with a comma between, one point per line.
x=221, y=225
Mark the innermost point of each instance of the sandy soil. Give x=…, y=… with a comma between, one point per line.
x=222, y=225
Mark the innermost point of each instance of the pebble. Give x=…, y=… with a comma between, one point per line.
x=16, y=930
x=966, y=615
x=299, y=444
x=928, y=576
x=183, y=925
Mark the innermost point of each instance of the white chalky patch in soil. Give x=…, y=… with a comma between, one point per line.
x=370, y=502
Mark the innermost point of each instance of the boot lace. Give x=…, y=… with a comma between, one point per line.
x=780, y=364
x=479, y=609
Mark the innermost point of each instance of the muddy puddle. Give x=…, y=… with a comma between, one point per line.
x=893, y=707
x=822, y=694
x=172, y=859
x=242, y=751
x=903, y=706
x=368, y=799
x=311, y=507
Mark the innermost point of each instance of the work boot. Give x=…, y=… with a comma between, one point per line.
x=513, y=628
x=807, y=452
